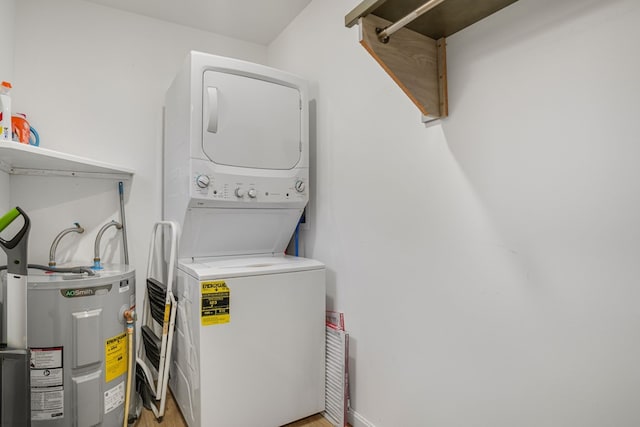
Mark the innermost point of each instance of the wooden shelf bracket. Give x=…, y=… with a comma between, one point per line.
x=415, y=62
x=416, y=55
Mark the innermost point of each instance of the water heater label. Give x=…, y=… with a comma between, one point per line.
x=215, y=297
x=46, y=377
x=124, y=286
x=115, y=350
x=47, y=383
x=47, y=404
x=113, y=397
x=43, y=358
x=86, y=292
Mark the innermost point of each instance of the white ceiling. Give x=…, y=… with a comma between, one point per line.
x=257, y=21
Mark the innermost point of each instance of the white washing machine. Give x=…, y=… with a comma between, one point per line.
x=257, y=355
x=249, y=347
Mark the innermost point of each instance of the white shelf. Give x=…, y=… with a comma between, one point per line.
x=22, y=159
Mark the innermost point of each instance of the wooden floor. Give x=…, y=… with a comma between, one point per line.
x=173, y=418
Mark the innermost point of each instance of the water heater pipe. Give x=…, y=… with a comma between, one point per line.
x=130, y=317
x=125, y=246
x=96, y=245
x=75, y=270
x=54, y=245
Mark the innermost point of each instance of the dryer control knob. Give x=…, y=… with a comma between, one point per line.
x=239, y=192
x=203, y=181
x=300, y=186
x=252, y=193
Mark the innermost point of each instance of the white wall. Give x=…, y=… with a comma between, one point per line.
x=488, y=266
x=92, y=81
x=7, y=15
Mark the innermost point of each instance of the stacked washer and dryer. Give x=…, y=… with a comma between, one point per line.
x=250, y=337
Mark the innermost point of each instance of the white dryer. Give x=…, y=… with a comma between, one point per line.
x=236, y=156
x=249, y=344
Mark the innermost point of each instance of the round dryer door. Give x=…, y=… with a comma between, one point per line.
x=248, y=122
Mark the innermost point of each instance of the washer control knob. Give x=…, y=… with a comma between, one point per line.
x=203, y=181
x=300, y=186
x=252, y=193
x=239, y=192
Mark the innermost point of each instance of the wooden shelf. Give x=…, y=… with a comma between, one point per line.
x=415, y=56
x=21, y=159
x=444, y=20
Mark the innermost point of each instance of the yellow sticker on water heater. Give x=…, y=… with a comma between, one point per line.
x=116, y=361
x=215, y=297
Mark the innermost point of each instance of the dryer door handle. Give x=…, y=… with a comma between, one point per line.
x=212, y=103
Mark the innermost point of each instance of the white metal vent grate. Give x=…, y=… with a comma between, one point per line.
x=336, y=382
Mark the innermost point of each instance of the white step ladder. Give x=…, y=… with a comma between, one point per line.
x=158, y=321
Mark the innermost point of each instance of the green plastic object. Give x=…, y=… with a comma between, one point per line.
x=8, y=218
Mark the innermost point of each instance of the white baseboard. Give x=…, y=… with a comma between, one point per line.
x=357, y=420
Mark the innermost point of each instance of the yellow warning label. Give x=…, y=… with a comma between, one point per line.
x=115, y=349
x=214, y=303
x=165, y=324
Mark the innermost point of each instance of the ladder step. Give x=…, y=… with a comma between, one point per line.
x=143, y=388
x=155, y=287
x=158, y=314
x=157, y=298
x=152, y=346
